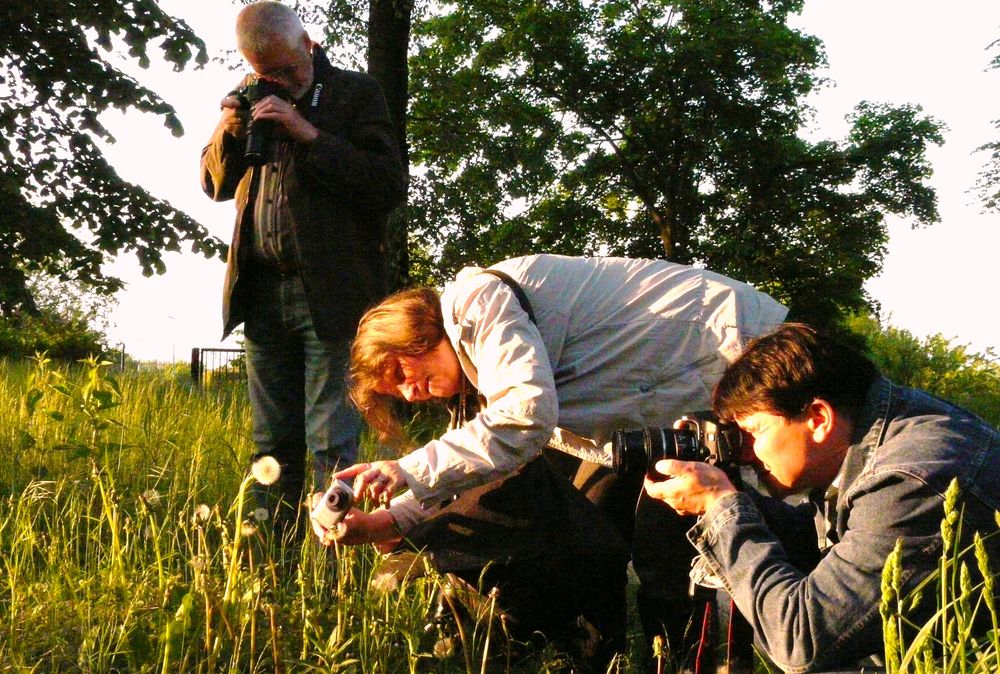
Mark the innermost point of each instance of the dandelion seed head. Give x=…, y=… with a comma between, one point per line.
x=260, y=514
x=445, y=648
x=248, y=529
x=266, y=470
x=201, y=513
x=151, y=497
x=384, y=583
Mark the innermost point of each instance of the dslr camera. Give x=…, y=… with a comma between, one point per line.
x=258, y=146
x=334, y=505
x=696, y=436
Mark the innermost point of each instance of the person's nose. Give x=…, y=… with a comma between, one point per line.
x=409, y=392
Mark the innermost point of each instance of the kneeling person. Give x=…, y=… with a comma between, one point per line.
x=877, y=458
x=592, y=345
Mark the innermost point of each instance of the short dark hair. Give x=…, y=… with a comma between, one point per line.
x=783, y=371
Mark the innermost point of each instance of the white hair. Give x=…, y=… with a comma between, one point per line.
x=262, y=25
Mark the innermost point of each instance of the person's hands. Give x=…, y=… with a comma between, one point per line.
x=376, y=481
x=692, y=488
x=359, y=527
x=284, y=113
x=233, y=119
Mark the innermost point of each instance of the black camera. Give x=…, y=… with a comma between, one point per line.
x=696, y=436
x=259, y=132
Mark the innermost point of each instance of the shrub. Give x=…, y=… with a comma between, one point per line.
x=934, y=364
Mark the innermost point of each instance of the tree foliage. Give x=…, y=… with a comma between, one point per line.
x=989, y=180
x=63, y=209
x=654, y=129
x=69, y=322
x=934, y=364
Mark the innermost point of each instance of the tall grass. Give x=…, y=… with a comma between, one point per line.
x=962, y=635
x=127, y=545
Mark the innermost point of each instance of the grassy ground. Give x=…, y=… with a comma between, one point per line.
x=128, y=546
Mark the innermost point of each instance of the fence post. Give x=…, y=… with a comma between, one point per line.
x=196, y=366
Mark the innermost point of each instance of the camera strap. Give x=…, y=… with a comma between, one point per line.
x=562, y=440
x=461, y=411
x=522, y=299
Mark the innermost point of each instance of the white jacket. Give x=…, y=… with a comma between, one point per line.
x=619, y=343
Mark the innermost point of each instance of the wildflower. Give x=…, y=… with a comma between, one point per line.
x=248, y=529
x=201, y=514
x=384, y=583
x=266, y=470
x=260, y=514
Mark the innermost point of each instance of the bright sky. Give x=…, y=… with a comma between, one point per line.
x=936, y=279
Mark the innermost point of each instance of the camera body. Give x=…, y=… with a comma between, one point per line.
x=332, y=508
x=696, y=436
x=257, y=151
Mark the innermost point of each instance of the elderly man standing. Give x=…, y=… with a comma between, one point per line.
x=308, y=248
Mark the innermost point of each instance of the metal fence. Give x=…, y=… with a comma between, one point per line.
x=214, y=366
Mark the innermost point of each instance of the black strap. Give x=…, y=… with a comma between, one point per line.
x=460, y=409
x=522, y=299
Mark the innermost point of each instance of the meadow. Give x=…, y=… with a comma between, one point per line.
x=130, y=544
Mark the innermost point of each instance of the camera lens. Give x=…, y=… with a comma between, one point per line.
x=337, y=499
x=641, y=449
x=257, y=151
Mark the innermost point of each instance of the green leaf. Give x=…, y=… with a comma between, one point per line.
x=31, y=399
x=25, y=440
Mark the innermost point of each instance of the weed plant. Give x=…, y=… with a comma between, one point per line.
x=962, y=635
x=130, y=544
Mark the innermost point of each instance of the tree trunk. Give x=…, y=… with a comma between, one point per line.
x=388, y=43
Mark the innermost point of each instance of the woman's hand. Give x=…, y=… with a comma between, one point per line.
x=377, y=481
x=359, y=527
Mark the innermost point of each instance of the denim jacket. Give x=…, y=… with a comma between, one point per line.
x=906, y=448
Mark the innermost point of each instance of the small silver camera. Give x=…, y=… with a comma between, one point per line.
x=335, y=503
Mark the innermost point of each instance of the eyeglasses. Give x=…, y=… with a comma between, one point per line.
x=282, y=73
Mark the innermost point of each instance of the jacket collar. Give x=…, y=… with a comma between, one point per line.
x=869, y=432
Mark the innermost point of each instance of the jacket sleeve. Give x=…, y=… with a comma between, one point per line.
x=362, y=162
x=222, y=164
x=811, y=621
x=521, y=410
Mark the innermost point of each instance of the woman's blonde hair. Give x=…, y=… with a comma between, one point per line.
x=408, y=323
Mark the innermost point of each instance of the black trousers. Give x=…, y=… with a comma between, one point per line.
x=660, y=552
x=548, y=551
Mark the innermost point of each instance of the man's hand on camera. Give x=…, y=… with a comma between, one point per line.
x=233, y=119
x=284, y=113
x=359, y=527
x=692, y=488
x=376, y=481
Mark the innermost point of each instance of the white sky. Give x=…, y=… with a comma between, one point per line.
x=941, y=278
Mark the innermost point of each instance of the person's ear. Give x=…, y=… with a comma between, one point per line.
x=820, y=420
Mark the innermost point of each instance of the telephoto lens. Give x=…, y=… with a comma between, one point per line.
x=258, y=147
x=641, y=449
x=335, y=503
x=257, y=151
